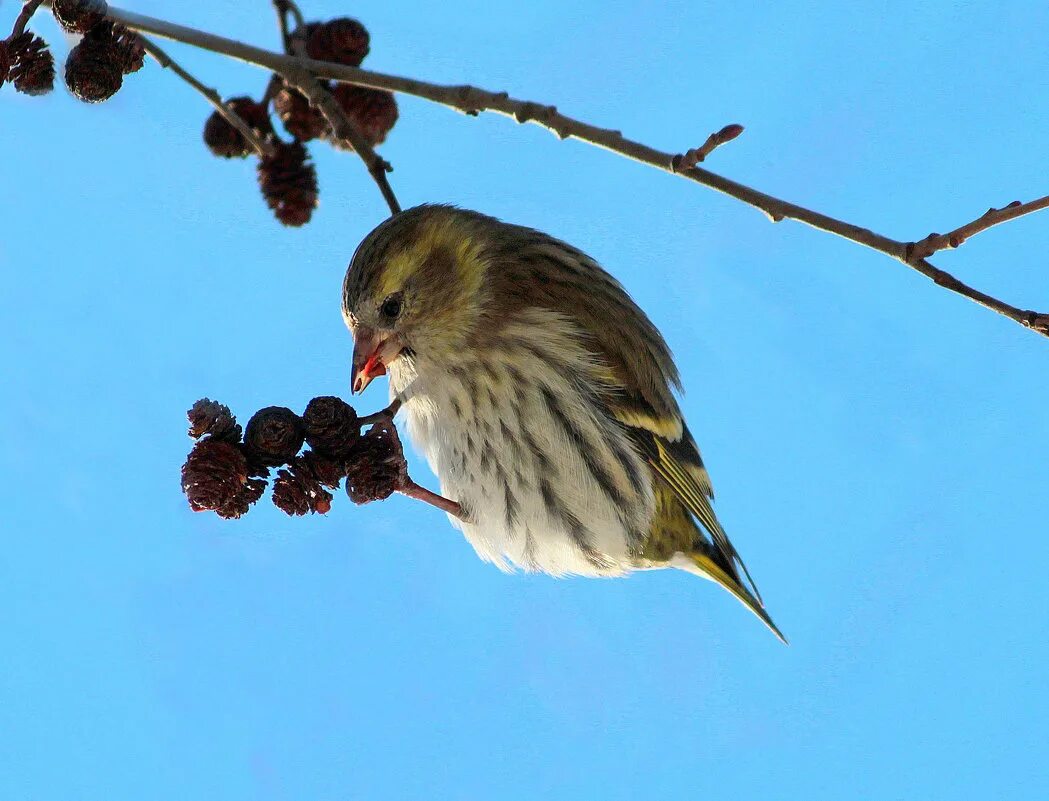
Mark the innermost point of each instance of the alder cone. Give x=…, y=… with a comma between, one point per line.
x=224, y=140
x=300, y=119
x=289, y=183
x=79, y=16
x=273, y=436
x=32, y=69
x=95, y=67
x=373, y=111
x=343, y=40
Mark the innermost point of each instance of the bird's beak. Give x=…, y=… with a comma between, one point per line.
x=372, y=352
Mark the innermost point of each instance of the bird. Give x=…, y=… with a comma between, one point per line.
x=542, y=397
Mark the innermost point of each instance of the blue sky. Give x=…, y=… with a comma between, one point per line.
x=877, y=444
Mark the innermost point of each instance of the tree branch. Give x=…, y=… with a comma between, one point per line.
x=211, y=95
x=23, y=17
x=472, y=100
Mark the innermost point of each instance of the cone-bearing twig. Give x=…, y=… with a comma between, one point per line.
x=273, y=436
x=332, y=426
x=211, y=417
x=249, y=134
x=473, y=100
x=95, y=67
x=78, y=16
x=32, y=69
x=342, y=127
x=373, y=111
x=28, y=9
x=289, y=183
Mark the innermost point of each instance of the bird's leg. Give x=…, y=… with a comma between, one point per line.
x=413, y=490
x=382, y=415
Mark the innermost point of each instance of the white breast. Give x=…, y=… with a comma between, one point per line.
x=548, y=481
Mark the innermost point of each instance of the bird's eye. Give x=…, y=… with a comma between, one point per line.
x=391, y=307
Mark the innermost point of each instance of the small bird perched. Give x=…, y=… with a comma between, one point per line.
x=542, y=397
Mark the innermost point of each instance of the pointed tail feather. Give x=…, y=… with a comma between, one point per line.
x=704, y=565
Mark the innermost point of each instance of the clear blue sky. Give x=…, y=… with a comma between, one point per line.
x=878, y=445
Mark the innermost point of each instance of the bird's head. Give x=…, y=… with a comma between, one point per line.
x=415, y=286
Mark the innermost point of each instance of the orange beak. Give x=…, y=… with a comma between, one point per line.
x=372, y=352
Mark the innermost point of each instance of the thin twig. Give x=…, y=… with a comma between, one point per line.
x=420, y=493
x=934, y=242
x=697, y=154
x=211, y=95
x=471, y=100
x=23, y=17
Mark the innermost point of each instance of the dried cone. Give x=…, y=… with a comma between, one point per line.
x=226, y=141
x=289, y=183
x=300, y=488
x=372, y=110
x=273, y=436
x=343, y=40
x=376, y=466
x=94, y=69
x=300, y=119
x=211, y=417
x=215, y=478
x=331, y=426
x=5, y=61
x=32, y=68
x=132, y=52
x=79, y=16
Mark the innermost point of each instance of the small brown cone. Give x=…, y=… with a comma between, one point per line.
x=331, y=426
x=343, y=40
x=372, y=110
x=94, y=69
x=375, y=468
x=301, y=487
x=132, y=52
x=211, y=417
x=32, y=68
x=78, y=16
x=215, y=478
x=226, y=141
x=273, y=436
x=300, y=119
x=289, y=183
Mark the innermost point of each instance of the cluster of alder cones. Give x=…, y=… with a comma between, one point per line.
x=107, y=51
x=226, y=471
x=287, y=179
x=96, y=66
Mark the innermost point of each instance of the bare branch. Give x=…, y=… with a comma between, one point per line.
x=934, y=242
x=211, y=95
x=23, y=17
x=472, y=100
x=697, y=154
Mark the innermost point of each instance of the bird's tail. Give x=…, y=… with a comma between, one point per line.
x=703, y=564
